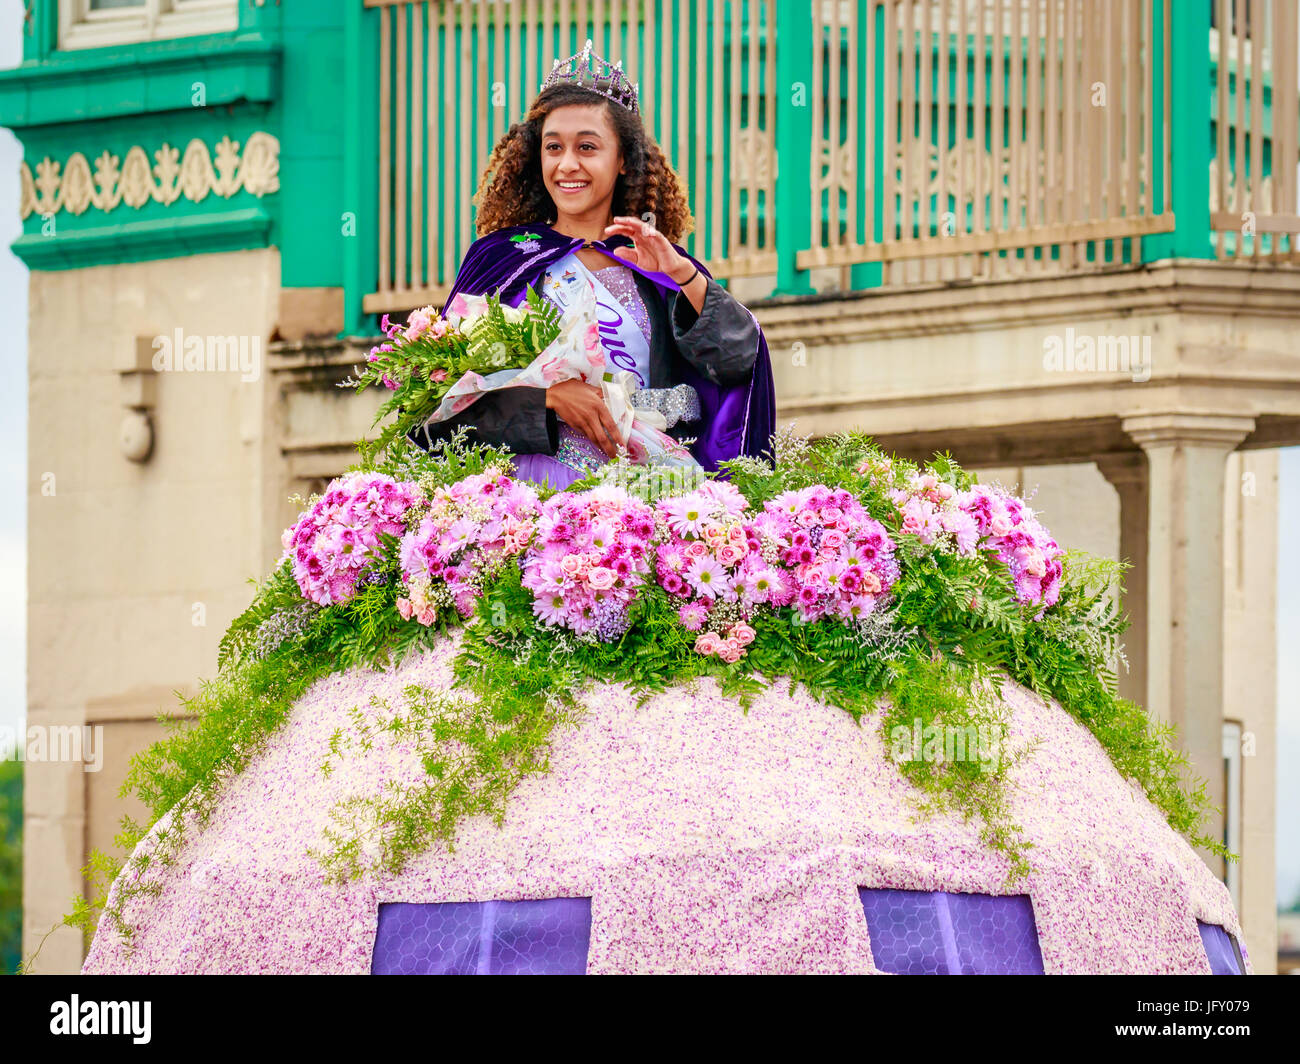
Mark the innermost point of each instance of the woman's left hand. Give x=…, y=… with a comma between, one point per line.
x=650, y=249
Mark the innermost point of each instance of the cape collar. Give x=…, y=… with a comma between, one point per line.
x=548, y=246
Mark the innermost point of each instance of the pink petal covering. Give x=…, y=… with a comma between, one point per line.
x=709, y=841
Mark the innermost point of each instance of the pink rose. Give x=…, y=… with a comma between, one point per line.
x=404, y=608
x=707, y=643
x=729, y=555
x=741, y=633
x=833, y=538
x=1001, y=525
x=806, y=519
x=696, y=549
x=439, y=375
x=601, y=579
x=871, y=582
x=736, y=534
x=729, y=651
x=417, y=322
x=569, y=563
x=427, y=616
x=946, y=491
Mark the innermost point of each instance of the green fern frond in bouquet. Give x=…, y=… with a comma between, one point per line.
x=422, y=360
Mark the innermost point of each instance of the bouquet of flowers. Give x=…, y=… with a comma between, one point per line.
x=590, y=554
x=711, y=560
x=338, y=541
x=473, y=526
x=984, y=518
x=423, y=360
x=839, y=559
x=576, y=353
x=436, y=366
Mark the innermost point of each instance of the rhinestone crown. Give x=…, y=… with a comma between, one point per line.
x=592, y=72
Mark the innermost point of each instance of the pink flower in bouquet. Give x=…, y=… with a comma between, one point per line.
x=708, y=577
x=1008, y=528
x=921, y=519
x=831, y=552
x=693, y=615
x=337, y=541
x=707, y=643
x=473, y=527
x=418, y=321
x=729, y=651
x=728, y=555
x=438, y=375
x=742, y=633
x=588, y=556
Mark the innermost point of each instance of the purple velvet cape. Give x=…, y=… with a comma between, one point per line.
x=737, y=419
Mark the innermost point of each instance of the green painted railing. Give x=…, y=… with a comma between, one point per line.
x=923, y=140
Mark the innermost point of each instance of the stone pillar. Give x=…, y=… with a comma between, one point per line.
x=1129, y=475
x=1186, y=455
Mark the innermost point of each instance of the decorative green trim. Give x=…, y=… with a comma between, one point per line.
x=136, y=181
x=159, y=238
x=92, y=83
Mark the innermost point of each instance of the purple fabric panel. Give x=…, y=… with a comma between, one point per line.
x=539, y=468
x=935, y=933
x=545, y=937
x=1220, y=948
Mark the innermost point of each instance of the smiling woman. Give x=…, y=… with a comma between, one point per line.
x=578, y=199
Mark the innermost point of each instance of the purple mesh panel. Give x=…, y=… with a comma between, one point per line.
x=1221, y=949
x=546, y=937
x=916, y=932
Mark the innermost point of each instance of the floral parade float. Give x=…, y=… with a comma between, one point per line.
x=830, y=711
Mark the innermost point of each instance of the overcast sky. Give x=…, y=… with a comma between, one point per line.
x=14, y=488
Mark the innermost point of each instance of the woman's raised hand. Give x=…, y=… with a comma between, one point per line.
x=650, y=249
x=581, y=406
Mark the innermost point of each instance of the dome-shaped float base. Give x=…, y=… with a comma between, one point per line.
x=707, y=840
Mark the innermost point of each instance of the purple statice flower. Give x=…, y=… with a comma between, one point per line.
x=611, y=620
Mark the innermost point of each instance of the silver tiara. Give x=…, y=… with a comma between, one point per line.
x=591, y=72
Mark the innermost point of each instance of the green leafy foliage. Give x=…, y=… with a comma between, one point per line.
x=425, y=367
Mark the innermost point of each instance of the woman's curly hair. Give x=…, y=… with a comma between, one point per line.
x=512, y=191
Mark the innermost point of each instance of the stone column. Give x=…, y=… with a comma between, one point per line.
x=1129, y=475
x=1186, y=455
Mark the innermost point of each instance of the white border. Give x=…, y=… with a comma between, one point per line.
x=81, y=27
